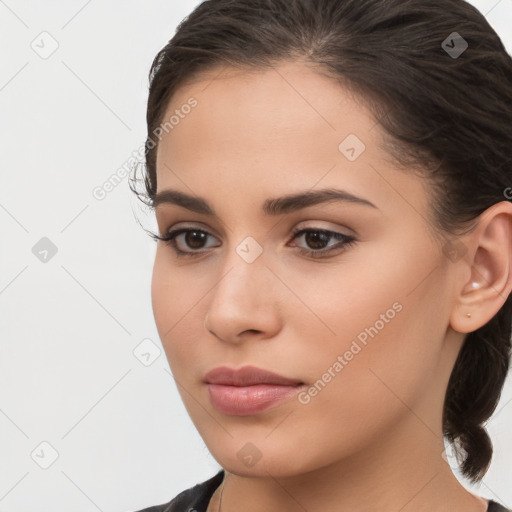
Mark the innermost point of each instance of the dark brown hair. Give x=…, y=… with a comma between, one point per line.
x=445, y=115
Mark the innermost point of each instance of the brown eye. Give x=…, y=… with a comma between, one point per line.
x=195, y=239
x=317, y=239
x=192, y=239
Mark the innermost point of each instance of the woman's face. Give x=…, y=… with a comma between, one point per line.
x=362, y=322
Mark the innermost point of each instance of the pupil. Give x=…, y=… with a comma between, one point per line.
x=317, y=238
x=190, y=239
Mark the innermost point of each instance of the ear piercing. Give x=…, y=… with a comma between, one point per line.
x=468, y=315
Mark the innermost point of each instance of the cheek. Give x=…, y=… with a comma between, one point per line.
x=355, y=328
x=176, y=303
x=173, y=290
x=379, y=384
x=168, y=298
x=161, y=293
x=371, y=339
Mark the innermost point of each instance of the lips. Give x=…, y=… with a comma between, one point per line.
x=247, y=376
x=248, y=390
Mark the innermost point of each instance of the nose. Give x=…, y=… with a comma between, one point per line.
x=244, y=303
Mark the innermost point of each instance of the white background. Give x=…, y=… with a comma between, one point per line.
x=68, y=327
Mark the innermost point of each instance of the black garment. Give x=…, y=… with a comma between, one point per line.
x=196, y=499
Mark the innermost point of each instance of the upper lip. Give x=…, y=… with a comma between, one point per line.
x=246, y=376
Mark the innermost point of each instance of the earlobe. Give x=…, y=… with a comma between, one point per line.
x=474, y=286
x=490, y=259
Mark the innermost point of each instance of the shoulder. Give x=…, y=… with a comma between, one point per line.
x=496, y=507
x=196, y=497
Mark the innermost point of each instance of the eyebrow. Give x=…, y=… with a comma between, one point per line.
x=273, y=206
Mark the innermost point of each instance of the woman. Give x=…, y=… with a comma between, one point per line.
x=332, y=280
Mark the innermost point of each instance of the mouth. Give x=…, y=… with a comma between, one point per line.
x=248, y=390
x=248, y=400
x=247, y=376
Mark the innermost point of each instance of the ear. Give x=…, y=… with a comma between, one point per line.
x=488, y=262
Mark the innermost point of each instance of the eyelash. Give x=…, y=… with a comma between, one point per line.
x=347, y=241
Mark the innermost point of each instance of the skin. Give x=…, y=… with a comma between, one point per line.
x=372, y=437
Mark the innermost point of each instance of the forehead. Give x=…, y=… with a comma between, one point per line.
x=252, y=111
x=258, y=132
x=275, y=87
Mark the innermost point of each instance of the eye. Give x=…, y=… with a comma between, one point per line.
x=316, y=238
x=194, y=238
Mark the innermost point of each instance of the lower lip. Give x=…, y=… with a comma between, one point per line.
x=246, y=400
